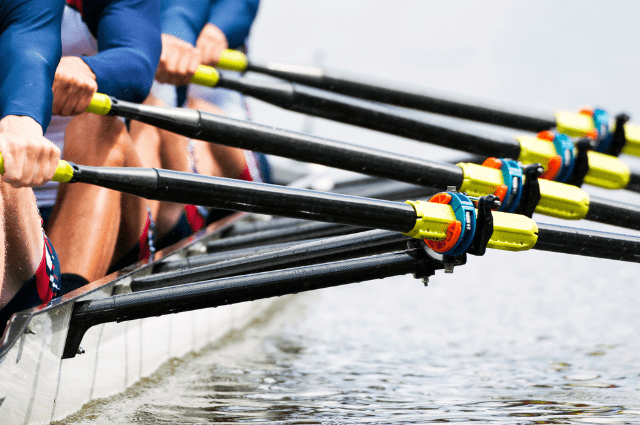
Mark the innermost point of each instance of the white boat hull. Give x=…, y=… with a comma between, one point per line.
x=37, y=386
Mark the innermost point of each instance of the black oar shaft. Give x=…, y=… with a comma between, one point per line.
x=590, y=243
x=326, y=250
x=634, y=182
x=245, y=135
x=614, y=213
x=375, y=117
x=157, y=302
x=305, y=230
x=237, y=195
x=409, y=97
x=288, y=144
x=171, y=264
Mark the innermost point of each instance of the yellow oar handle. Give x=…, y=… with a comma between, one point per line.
x=233, y=60
x=206, y=76
x=64, y=171
x=511, y=232
x=100, y=104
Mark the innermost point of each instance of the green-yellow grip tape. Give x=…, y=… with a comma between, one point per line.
x=577, y=125
x=562, y=200
x=63, y=174
x=511, y=232
x=604, y=170
x=556, y=199
x=206, y=76
x=100, y=104
x=607, y=171
x=573, y=124
x=233, y=60
x=632, y=134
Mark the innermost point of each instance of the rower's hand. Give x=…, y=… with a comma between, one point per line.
x=211, y=42
x=179, y=61
x=73, y=86
x=29, y=158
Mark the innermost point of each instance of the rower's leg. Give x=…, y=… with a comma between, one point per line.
x=21, y=240
x=86, y=218
x=228, y=161
x=146, y=139
x=161, y=149
x=134, y=210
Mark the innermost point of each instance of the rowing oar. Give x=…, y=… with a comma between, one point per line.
x=574, y=124
x=450, y=218
x=558, y=200
x=347, y=247
x=555, y=152
x=420, y=261
x=302, y=254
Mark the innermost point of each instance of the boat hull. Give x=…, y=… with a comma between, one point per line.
x=37, y=386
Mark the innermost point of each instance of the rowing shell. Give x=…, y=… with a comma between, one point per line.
x=37, y=386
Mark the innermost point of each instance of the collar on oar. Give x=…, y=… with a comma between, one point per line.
x=511, y=232
x=613, y=140
x=599, y=169
x=542, y=196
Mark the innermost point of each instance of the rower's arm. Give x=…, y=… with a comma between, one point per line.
x=129, y=44
x=31, y=49
x=184, y=19
x=234, y=18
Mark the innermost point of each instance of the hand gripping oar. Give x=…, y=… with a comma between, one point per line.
x=594, y=123
x=569, y=164
x=556, y=199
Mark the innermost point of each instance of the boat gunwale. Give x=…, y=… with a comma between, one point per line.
x=19, y=322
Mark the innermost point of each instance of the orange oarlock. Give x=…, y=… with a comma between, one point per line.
x=586, y=111
x=546, y=135
x=496, y=163
x=553, y=167
x=453, y=231
x=592, y=134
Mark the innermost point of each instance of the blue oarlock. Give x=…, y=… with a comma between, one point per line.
x=465, y=213
x=565, y=148
x=513, y=179
x=601, y=124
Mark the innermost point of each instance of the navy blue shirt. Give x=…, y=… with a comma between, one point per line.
x=129, y=45
x=30, y=49
x=186, y=18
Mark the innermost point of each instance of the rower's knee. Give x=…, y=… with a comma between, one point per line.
x=97, y=140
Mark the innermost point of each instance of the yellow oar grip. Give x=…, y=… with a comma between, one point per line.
x=100, y=104
x=556, y=199
x=206, y=76
x=604, y=170
x=63, y=174
x=233, y=60
x=511, y=232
